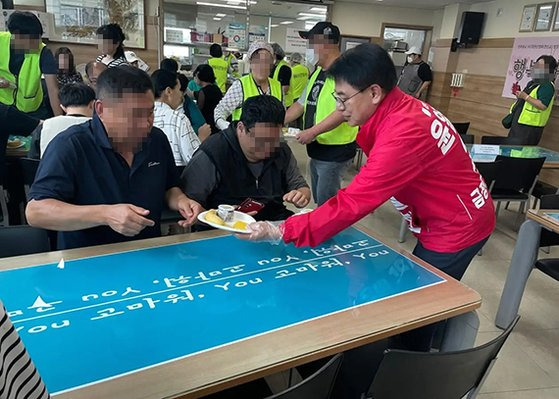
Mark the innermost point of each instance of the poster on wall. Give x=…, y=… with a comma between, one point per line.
x=294, y=43
x=76, y=21
x=257, y=32
x=236, y=32
x=525, y=52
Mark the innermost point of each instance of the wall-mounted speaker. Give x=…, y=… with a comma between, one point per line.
x=471, y=27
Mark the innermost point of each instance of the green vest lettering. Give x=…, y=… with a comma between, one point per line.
x=220, y=66
x=299, y=79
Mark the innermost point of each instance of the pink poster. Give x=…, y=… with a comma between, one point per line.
x=525, y=52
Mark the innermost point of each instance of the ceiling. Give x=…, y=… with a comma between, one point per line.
x=280, y=10
x=427, y=4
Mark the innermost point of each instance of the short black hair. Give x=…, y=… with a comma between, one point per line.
x=162, y=79
x=169, y=64
x=206, y=73
x=183, y=80
x=113, y=32
x=216, y=50
x=25, y=23
x=262, y=109
x=550, y=62
x=365, y=65
x=117, y=81
x=196, y=70
x=76, y=94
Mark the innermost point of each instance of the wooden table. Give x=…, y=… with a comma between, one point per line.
x=257, y=356
x=523, y=260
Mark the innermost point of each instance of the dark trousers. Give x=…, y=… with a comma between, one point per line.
x=454, y=264
x=13, y=121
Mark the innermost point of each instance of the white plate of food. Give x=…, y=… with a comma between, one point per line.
x=238, y=224
x=290, y=132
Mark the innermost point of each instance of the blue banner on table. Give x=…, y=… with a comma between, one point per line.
x=123, y=312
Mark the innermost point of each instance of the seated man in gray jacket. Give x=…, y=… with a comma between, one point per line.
x=248, y=161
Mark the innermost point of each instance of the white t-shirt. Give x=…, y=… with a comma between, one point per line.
x=53, y=126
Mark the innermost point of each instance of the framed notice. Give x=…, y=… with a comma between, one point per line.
x=349, y=42
x=76, y=21
x=544, y=16
x=528, y=18
x=555, y=26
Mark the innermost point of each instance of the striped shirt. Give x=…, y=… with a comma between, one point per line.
x=176, y=126
x=111, y=62
x=19, y=378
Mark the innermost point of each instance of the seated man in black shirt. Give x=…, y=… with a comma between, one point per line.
x=248, y=161
x=107, y=180
x=23, y=59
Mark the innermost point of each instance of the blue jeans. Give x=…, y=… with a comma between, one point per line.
x=326, y=178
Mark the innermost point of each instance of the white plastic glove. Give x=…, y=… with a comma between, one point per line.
x=271, y=232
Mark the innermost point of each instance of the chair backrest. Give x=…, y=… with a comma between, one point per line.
x=549, y=238
x=317, y=386
x=434, y=375
x=467, y=138
x=500, y=140
x=22, y=240
x=489, y=171
x=517, y=173
x=29, y=167
x=461, y=128
x=549, y=201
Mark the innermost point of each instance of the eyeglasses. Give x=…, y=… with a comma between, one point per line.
x=341, y=102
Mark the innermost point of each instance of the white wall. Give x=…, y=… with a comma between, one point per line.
x=452, y=17
x=362, y=19
x=506, y=25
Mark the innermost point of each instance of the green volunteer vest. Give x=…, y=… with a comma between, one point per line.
x=299, y=79
x=532, y=116
x=220, y=66
x=289, y=94
x=251, y=90
x=29, y=94
x=229, y=60
x=343, y=134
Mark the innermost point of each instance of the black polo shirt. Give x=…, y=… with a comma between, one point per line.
x=80, y=167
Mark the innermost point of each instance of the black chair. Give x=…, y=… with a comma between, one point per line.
x=461, y=128
x=500, y=140
x=467, y=138
x=515, y=181
x=317, y=386
x=22, y=240
x=549, y=238
x=489, y=172
x=542, y=189
x=436, y=375
x=29, y=168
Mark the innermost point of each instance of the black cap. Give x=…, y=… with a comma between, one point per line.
x=327, y=29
